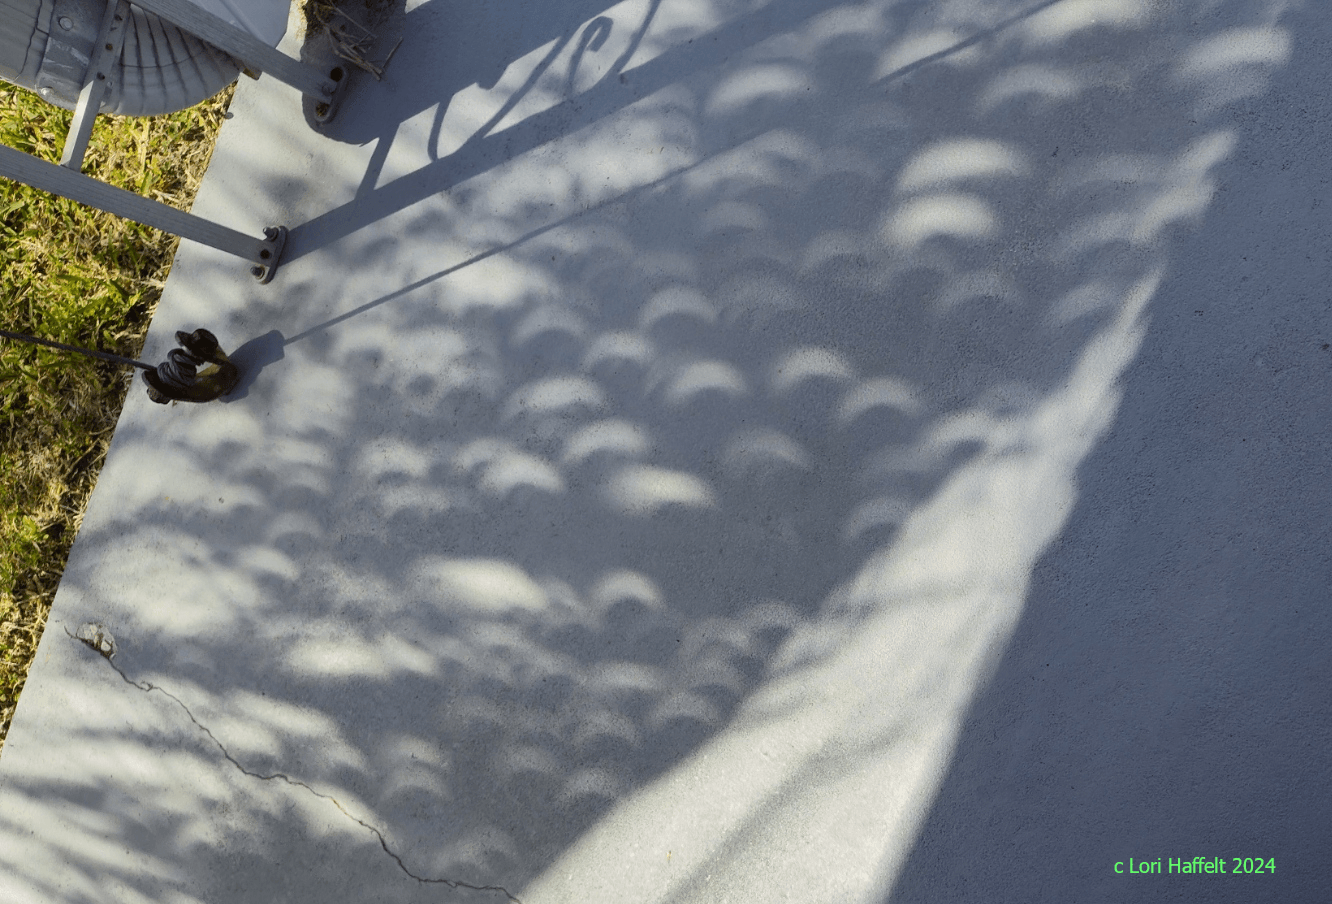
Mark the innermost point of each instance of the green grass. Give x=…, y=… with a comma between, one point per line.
x=86, y=278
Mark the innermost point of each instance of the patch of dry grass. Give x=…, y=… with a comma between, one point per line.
x=86, y=278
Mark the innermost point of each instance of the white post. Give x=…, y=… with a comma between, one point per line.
x=110, y=37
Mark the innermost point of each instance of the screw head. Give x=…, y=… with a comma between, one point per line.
x=66, y=23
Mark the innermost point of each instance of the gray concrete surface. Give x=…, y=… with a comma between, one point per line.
x=723, y=451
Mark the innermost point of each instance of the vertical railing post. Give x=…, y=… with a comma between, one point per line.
x=96, y=83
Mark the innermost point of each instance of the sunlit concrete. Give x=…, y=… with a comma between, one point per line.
x=727, y=451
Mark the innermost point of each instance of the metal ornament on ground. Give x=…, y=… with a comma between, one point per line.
x=181, y=379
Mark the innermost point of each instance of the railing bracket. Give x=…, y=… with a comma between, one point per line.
x=270, y=254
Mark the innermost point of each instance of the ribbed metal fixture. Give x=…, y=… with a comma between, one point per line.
x=23, y=25
x=45, y=45
x=163, y=69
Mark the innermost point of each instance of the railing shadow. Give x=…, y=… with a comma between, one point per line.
x=377, y=110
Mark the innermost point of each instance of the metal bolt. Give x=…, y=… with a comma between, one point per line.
x=66, y=23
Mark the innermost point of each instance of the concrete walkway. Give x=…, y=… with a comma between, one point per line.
x=703, y=451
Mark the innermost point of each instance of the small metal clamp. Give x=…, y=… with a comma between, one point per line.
x=179, y=378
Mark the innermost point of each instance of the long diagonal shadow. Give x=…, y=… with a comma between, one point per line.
x=424, y=281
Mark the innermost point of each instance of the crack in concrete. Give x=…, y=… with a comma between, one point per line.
x=105, y=647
